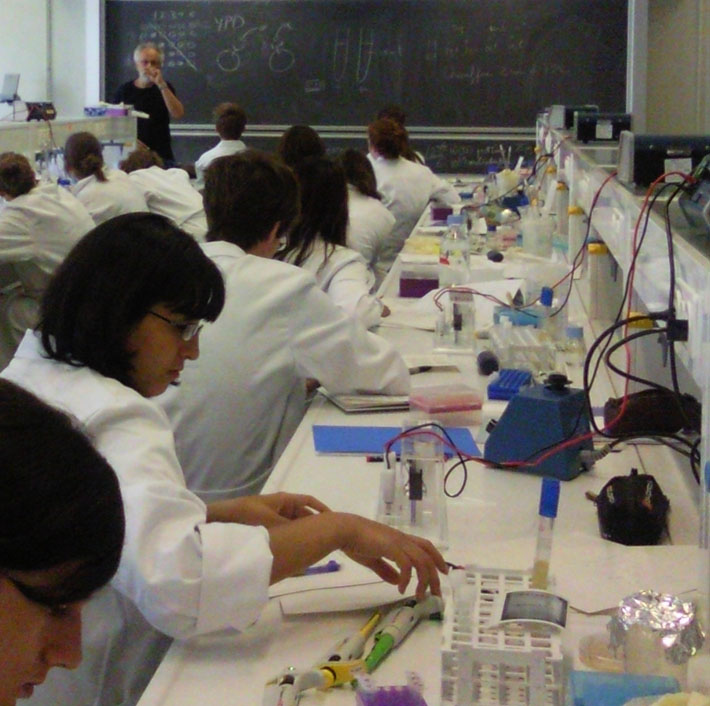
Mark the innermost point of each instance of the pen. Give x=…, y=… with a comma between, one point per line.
x=327, y=568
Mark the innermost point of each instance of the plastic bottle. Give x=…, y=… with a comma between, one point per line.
x=454, y=253
x=575, y=351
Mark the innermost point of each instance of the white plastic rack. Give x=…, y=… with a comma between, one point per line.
x=497, y=665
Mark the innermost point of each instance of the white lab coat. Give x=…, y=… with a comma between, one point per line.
x=186, y=577
x=169, y=193
x=344, y=277
x=113, y=197
x=407, y=188
x=369, y=228
x=223, y=148
x=37, y=230
x=241, y=401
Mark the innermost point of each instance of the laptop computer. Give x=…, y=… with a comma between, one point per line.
x=8, y=93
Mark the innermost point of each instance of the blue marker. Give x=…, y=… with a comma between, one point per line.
x=327, y=568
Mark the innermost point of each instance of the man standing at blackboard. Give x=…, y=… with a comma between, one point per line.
x=152, y=94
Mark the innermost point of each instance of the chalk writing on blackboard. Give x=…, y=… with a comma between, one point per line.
x=259, y=40
x=337, y=62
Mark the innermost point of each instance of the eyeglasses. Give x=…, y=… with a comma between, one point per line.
x=187, y=330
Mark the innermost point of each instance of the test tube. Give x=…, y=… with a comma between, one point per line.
x=549, y=497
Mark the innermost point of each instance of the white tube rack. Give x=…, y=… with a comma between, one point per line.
x=498, y=665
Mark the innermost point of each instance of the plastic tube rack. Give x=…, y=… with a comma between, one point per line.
x=497, y=665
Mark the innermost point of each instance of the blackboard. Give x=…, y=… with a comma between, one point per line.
x=442, y=155
x=337, y=62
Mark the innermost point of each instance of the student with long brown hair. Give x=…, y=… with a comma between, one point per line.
x=406, y=187
x=104, y=192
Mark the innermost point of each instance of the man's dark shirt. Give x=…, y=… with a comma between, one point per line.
x=154, y=131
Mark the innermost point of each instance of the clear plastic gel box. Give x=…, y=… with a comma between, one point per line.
x=450, y=405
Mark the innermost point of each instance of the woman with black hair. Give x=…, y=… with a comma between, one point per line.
x=297, y=143
x=118, y=323
x=317, y=241
x=369, y=222
x=61, y=535
x=104, y=192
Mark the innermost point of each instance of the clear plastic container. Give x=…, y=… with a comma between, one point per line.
x=537, y=234
x=454, y=253
x=575, y=351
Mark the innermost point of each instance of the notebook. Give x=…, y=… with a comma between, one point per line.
x=367, y=403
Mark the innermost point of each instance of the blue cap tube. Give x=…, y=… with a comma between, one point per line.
x=549, y=497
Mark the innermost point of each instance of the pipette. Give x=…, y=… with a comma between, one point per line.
x=398, y=624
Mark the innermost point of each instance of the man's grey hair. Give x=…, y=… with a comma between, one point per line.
x=149, y=45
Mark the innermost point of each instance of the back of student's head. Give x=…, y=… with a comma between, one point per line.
x=245, y=195
x=141, y=159
x=359, y=172
x=387, y=137
x=60, y=505
x=324, y=208
x=230, y=121
x=393, y=112
x=298, y=143
x=16, y=174
x=110, y=280
x=83, y=156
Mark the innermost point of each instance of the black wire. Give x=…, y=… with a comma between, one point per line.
x=671, y=300
x=695, y=459
x=619, y=344
x=605, y=354
x=589, y=383
x=693, y=454
x=460, y=462
x=605, y=337
x=607, y=333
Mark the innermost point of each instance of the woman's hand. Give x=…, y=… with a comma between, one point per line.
x=391, y=554
x=375, y=545
x=266, y=510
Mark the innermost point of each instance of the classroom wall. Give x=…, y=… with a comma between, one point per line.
x=24, y=47
x=678, y=70
x=678, y=90
x=72, y=61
